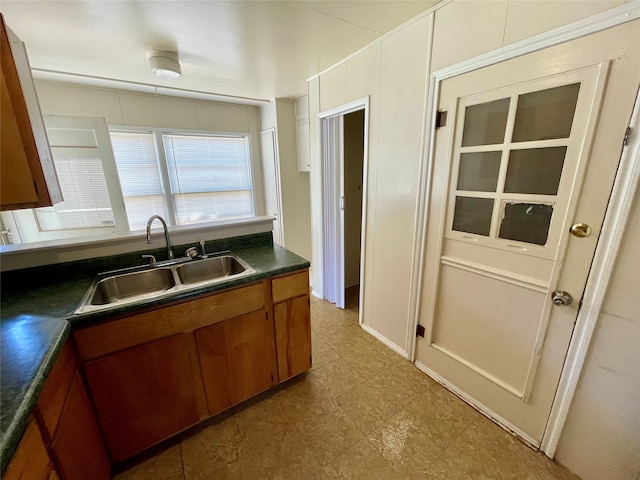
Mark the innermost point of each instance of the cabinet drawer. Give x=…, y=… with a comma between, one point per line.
x=290, y=286
x=110, y=337
x=231, y=303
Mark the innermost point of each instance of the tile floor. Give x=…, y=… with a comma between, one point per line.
x=361, y=412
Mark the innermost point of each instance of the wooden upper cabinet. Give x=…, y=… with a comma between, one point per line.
x=27, y=174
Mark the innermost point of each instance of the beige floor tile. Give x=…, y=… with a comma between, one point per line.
x=321, y=352
x=369, y=407
x=273, y=451
x=403, y=444
x=306, y=396
x=329, y=433
x=444, y=468
x=441, y=416
x=166, y=465
x=211, y=449
x=338, y=377
x=486, y=450
x=360, y=462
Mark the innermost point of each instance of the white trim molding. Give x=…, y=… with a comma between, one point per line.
x=613, y=229
x=381, y=338
x=616, y=217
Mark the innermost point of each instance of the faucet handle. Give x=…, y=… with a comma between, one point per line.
x=152, y=260
x=191, y=252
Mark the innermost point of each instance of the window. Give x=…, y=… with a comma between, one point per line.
x=114, y=180
x=188, y=178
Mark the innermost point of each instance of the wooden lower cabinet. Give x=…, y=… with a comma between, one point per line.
x=31, y=460
x=238, y=359
x=77, y=445
x=293, y=336
x=143, y=395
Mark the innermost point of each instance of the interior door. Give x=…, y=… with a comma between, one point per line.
x=332, y=138
x=531, y=148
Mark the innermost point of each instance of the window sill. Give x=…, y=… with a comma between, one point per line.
x=14, y=257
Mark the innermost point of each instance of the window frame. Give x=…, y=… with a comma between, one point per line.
x=163, y=166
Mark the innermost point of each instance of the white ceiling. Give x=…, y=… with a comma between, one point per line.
x=252, y=49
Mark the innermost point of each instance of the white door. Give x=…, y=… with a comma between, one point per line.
x=271, y=170
x=530, y=148
x=332, y=141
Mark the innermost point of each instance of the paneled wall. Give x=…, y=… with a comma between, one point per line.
x=393, y=74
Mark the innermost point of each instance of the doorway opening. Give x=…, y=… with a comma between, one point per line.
x=344, y=161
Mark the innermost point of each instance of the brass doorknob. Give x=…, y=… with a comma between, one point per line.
x=580, y=230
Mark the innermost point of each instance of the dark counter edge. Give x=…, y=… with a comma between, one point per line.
x=243, y=246
x=12, y=436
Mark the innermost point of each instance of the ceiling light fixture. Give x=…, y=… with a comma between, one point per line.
x=165, y=64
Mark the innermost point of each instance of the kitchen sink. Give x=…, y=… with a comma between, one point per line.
x=209, y=269
x=114, y=289
x=132, y=286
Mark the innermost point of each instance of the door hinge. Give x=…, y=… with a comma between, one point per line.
x=627, y=135
x=419, y=331
x=441, y=119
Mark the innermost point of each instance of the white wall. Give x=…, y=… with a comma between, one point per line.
x=280, y=114
x=601, y=438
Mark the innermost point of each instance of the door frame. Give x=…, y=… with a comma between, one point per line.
x=271, y=132
x=331, y=178
x=615, y=217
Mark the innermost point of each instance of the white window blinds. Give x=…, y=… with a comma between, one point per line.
x=210, y=177
x=140, y=180
x=86, y=198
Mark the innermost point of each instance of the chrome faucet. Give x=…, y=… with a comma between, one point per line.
x=166, y=233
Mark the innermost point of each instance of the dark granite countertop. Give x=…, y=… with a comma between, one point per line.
x=38, y=307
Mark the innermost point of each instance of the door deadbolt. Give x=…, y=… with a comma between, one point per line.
x=580, y=230
x=561, y=298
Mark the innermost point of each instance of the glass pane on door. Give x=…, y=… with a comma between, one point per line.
x=535, y=170
x=546, y=114
x=526, y=222
x=473, y=215
x=485, y=123
x=479, y=171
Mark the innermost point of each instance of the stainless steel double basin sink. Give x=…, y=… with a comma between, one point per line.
x=123, y=288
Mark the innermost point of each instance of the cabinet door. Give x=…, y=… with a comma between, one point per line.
x=237, y=357
x=293, y=336
x=143, y=395
x=28, y=177
x=78, y=438
x=31, y=460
